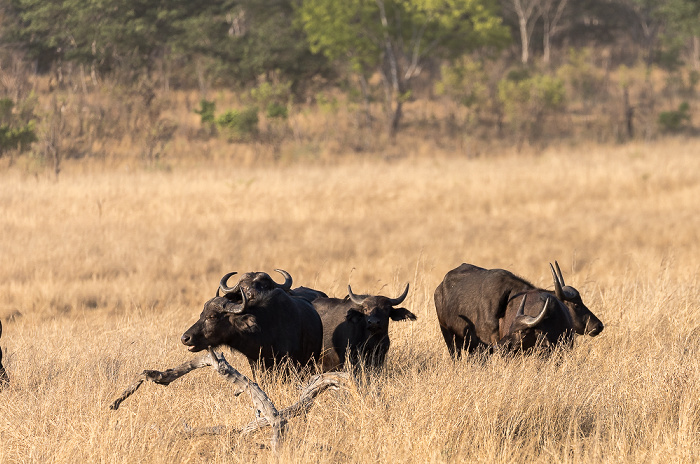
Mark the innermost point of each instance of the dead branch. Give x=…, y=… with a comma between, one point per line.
x=162, y=378
x=257, y=395
x=317, y=385
x=269, y=414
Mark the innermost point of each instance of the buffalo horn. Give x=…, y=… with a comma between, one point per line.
x=526, y=322
x=557, y=284
x=567, y=293
x=354, y=298
x=239, y=308
x=224, y=288
x=399, y=300
x=287, y=279
x=561, y=277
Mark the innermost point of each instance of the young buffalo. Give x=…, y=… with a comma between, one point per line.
x=357, y=328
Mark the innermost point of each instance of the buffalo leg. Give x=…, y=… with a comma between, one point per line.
x=454, y=343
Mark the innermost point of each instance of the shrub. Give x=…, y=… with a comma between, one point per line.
x=674, y=121
x=240, y=125
x=528, y=101
x=585, y=80
x=275, y=98
x=17, y=131
x=464, y=82
x=277, y=111
x=206, y=111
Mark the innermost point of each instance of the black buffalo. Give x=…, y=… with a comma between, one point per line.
x=262, y=319
x=480, y=308
x=357, y=328
x=4, y=378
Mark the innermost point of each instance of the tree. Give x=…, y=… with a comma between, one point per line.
x=647, y=22
x=552, y=12
x=106, y=34
x=683, y=22
x=527, y=13
x=395, y=38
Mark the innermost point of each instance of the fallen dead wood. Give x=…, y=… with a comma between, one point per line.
x=268, y=412
x=162, y=377
x=317, y=385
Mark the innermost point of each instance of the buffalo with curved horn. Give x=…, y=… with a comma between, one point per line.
x=356, y=328
x=260, y=318
x=478, y=308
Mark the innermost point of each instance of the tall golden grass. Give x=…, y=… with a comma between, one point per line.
x=103, y=270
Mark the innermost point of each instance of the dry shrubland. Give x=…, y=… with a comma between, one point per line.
x=103, y=270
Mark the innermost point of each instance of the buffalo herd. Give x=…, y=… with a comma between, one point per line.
x=478, y=310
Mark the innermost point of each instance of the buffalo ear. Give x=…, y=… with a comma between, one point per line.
x=244, y=323
x=354, y=316
x=400, y=314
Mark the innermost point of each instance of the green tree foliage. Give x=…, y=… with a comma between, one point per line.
x=396, y=38
x=528, y=99
x=271, y=43
x=17, y=126
x=105, y=33
x=239, y=125
x=675, y=121
x=233, y=41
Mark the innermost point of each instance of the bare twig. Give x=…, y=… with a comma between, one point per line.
x=257, y=395
x=269, y=413
x=317, y=385
x=162, y=378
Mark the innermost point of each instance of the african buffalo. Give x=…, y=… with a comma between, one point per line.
x=4, y=378
x=476, y=308
x=357, y=327
x=262, y=319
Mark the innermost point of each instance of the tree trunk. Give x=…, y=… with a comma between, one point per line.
x=365, y=98
x=526, y=22
x=392, y=81
x=396, y=118
x=546, y=38
x=524, y=41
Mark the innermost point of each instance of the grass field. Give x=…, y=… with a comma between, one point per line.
x=102, y=271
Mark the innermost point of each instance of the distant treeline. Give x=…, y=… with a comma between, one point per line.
x=506, y=63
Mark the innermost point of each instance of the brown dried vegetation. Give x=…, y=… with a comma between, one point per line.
x=103, y=271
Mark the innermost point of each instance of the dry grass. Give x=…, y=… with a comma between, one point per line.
x=102, y=272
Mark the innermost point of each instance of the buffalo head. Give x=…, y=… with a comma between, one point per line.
x=584, y=321
x=377, y=310
x=225, y=317
x=253, y=284
x=543, y=321
x=220, y=320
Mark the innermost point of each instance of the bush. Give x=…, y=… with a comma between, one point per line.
x=206, y=111
x=528, y=101
x=465, y=82
x=585, y=80
x=17, y=131
x=240, y=125
x=274, y=97
x=675, y=121
x=277, y=111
